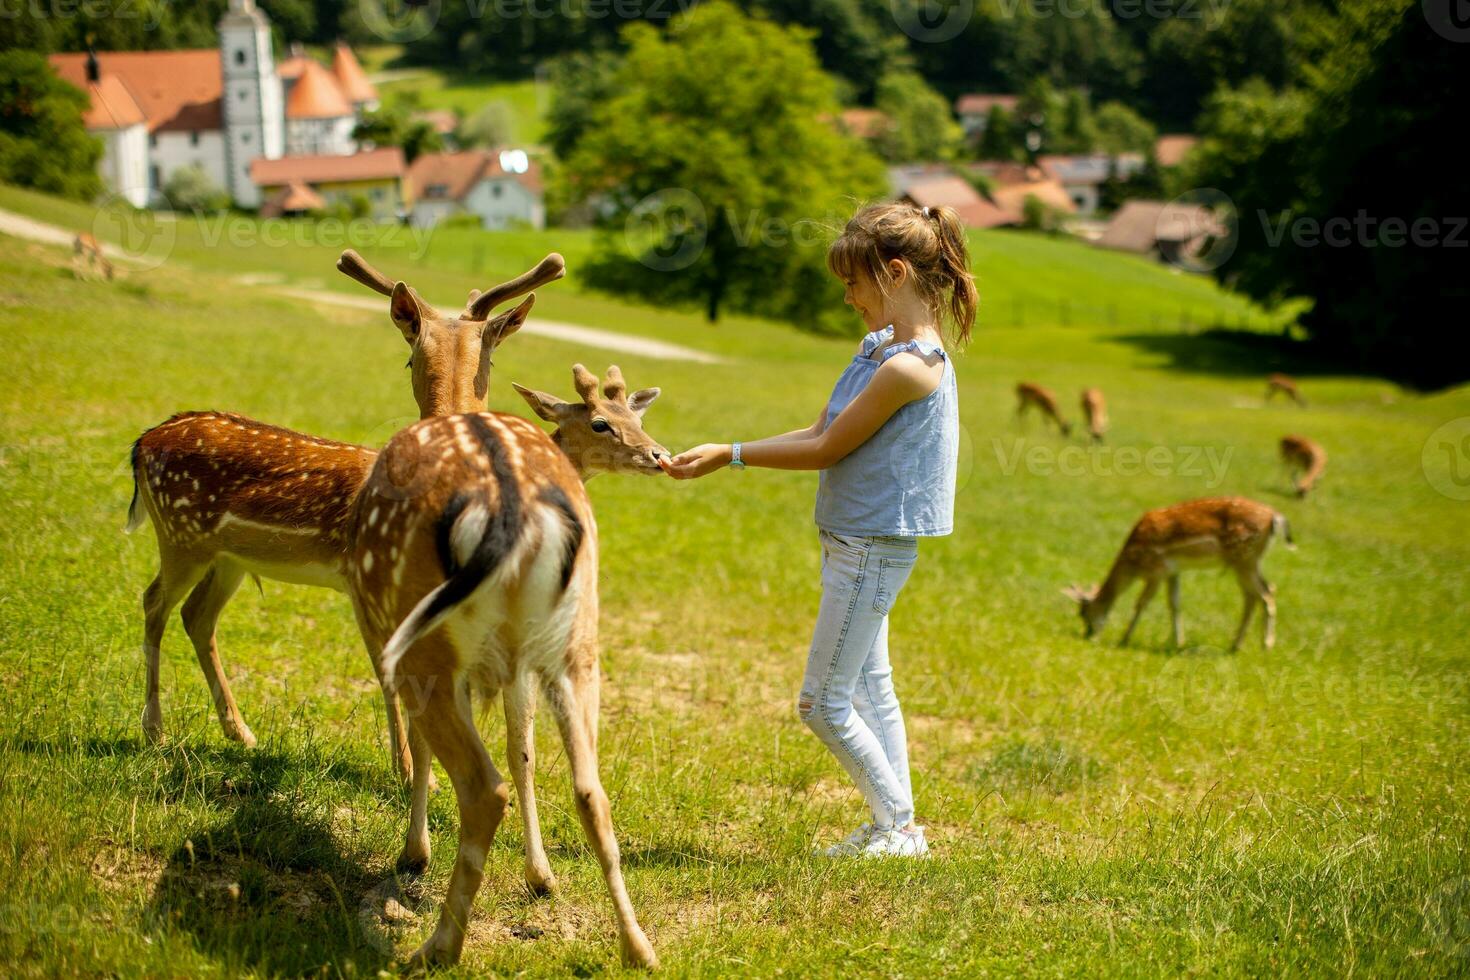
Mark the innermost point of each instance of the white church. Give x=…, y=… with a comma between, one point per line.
x=220, y=109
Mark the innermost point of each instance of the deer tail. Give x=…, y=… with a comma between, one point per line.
x=1281, y=526
x=135, y=508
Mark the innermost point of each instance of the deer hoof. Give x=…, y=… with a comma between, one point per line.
x=637, y=951
x=409, y=863
x=433, y=953
x=240, y=732
x=152, y=724
x=540, y=883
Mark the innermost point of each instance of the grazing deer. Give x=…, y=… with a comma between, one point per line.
x=1285, y=385
x=1096, y=411
x=1229, y=531
x=87, y=257
x=229, y=496
x=1030, y=395
x=474, y=569
x=1306, y=456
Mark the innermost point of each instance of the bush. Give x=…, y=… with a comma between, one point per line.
x=191, y=189
x=43, y=141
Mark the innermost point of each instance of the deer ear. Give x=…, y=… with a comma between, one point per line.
x=500, y=327
x=548, y=407
x=641, y=399
x=404, y=309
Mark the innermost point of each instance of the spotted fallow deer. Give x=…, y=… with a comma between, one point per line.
x=1095, y=408
x=87, y=257
x=230, y=496
x=1284, y=385
x=1030, y=396
x=1305, y=457
x=474, y=569
x=1232, y=532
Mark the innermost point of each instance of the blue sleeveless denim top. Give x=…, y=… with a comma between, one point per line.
x=900, y=482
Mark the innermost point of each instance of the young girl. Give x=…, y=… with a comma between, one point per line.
x=886, y=443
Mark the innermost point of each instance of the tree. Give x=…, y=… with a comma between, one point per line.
x=1001, y=139
x=1121, y=130
x=1348, y=188
x=717, y=165
x=43, y=141
x=191, y=189
x=395, y=125
x=581, y=84
x=922, y=126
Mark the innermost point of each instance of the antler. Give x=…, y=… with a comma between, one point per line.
x=354, y=266
x=585, y=382
x=549, y=269
x=613, y=389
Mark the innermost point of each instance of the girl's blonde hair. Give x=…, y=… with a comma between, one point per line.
x=932, y=243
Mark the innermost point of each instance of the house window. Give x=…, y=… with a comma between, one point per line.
x=239, y=56
x=495, y=190
x=437, y=190
x=245, y=137
x=153, y=176
x=376, y=193
x=194, y=137
x=152, y=141
x=243, y=93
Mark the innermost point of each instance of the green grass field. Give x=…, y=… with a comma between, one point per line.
x=1093, y=810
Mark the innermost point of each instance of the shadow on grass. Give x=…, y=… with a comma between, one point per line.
x=1239, y=353
x=267, y=889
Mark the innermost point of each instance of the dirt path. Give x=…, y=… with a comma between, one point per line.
x=20, y=226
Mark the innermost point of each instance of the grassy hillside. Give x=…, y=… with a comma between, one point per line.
x=1092, y=809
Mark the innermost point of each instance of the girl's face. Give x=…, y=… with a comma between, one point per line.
x=864, y=296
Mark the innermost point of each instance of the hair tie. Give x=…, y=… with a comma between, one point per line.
x=926, y=210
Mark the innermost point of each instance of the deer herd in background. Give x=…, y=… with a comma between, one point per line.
x=1228, y=532
x=468, y=549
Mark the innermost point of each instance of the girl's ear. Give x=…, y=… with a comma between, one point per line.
x=898, y=271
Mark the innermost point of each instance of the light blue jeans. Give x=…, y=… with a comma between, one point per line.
x=847, y=697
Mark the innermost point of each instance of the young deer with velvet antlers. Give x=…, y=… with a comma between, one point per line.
x=1228, y=531
x=473, y=567
x=229, y=496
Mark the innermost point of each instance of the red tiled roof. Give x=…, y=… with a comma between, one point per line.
x=316, y=95
x=450, y=176
x=292, y=67
x=350, y=76
x=977, y=104
x=956, y=192
x=370, y=165
x=1139, y=226
x=1012, y=197
x=295, y=196
x=1172, y=148
x=174, y=90
x=866, y=123
x=113, y=106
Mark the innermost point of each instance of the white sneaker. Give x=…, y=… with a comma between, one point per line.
x=896, y=843
x=850, y=846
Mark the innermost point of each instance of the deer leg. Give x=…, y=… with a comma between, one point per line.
x=447, y=722
x=1267, y=595
x=398, y=738
x=415, y=856
x=173, y=580
x=201, y=613
x=1174, y=610
x=520, y=718
x=1144, y=598
x=573, y=699
x=1252, y=596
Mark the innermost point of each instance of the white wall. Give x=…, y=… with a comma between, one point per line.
x=124, y=163
x=321, y=136
x=175, y=150
x=426, y=214
x=503, y=201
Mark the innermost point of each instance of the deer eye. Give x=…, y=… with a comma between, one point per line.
x=600, y=425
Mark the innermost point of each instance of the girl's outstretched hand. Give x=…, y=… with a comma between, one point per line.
x=697, y=461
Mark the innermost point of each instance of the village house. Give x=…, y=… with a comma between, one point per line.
x=936, y=185
x=1082, y=176
x=297, y=183
x=502, y=187
x=1171, y=232
x=973, y=111
x=217, y=109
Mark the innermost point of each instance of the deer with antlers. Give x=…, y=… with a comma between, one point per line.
x=1232, y=532
x=230, y=496
x=1281, y=384
x=1029, y=396
x=473, y=568
x=1305, y=457
x=87, y=257
x=1095, y=409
